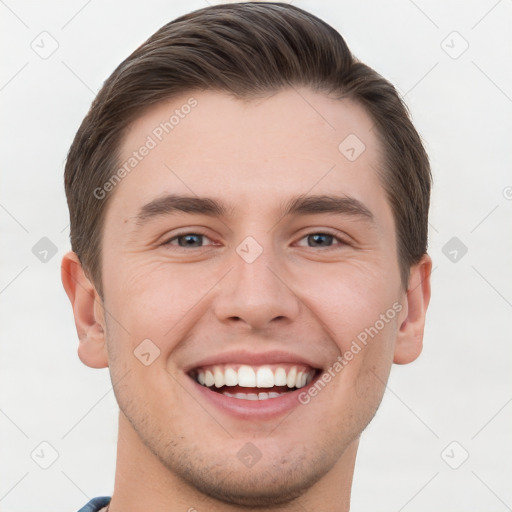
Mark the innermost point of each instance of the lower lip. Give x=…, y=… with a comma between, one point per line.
x=254, y=409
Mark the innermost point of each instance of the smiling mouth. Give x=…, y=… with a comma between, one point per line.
x=247, y=382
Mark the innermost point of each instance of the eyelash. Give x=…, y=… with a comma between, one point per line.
x=324, y=232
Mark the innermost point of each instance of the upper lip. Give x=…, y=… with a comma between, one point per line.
x=253, y=359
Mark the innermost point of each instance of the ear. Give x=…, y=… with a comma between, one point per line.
x=87, y=310
x=409, y=342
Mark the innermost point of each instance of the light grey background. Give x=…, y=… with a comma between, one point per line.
x=460, y=387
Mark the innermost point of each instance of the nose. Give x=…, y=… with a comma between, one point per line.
x=256, y=293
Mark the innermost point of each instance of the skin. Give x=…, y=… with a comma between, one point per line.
x=176, y=450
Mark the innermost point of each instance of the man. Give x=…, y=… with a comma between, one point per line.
x=249, y=209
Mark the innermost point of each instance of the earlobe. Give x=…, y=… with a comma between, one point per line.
x=87, y=310
x=409, y=342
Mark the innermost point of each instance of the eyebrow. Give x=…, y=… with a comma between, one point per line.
x=296, y=206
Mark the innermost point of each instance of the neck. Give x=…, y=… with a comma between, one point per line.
x=142, y=480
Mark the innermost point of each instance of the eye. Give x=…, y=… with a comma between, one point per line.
x=187, y=240
x=195, y=240
x=322, y=239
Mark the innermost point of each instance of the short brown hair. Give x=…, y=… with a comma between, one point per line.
x=248, y=50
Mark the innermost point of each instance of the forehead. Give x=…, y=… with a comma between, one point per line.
x=253, y=153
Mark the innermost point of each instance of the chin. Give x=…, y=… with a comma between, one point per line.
x=255, y=488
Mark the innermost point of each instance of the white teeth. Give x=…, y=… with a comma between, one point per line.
x=280, y=377
x=208, y=378
x=218, y=375
x=291, y=379
x=253, y=396
x=264, y=377
x=246, y=377
x=230, y=377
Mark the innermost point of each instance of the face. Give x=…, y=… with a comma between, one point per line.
x=224, y=319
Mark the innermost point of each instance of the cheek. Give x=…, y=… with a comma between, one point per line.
x=148, y=297
x=154, y=300
x=349, y=300
x=359, y=311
